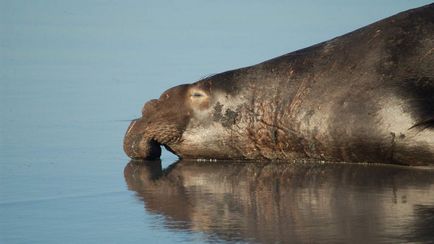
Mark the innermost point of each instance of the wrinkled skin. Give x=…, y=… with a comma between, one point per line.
x=367, y=96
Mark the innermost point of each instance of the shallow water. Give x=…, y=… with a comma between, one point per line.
x=73, y=73
x=289, y=202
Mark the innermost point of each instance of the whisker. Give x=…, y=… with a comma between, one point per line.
x=206, y=76
x=123, y=120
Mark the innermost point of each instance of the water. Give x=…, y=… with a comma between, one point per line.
x=301, y=202
x=73, y=73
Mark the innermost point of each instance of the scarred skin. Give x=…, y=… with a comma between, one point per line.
x=367, y=96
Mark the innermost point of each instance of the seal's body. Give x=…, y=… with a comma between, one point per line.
x=367, y=96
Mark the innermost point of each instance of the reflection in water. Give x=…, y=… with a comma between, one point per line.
x=299, y=202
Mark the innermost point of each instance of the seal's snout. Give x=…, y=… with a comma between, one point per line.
x=137, y=145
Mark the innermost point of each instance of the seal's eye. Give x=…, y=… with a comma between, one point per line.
x=199, y=99
x=197, y=94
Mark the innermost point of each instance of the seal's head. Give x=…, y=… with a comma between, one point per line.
x=164, y=120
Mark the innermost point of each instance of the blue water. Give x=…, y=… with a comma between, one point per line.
x=73, y=73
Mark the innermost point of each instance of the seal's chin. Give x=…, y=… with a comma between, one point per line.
x=138, y=146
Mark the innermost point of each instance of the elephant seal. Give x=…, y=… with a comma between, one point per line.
x=366, y=96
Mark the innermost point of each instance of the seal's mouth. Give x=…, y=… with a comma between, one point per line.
x=139, y=146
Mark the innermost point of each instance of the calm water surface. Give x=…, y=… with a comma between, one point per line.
x=72, y=75
x=289, y=202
